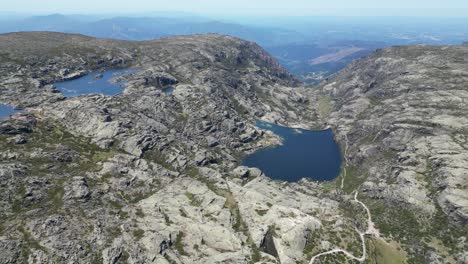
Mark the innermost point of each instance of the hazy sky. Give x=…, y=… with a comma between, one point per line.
x=247, y=7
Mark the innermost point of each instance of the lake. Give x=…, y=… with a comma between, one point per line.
x=6, y=111
x=304, y=154
x=94, y=83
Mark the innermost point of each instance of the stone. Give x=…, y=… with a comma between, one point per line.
x=77, y=189
x=211, y=141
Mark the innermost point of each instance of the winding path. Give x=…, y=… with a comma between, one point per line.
x=371, y=229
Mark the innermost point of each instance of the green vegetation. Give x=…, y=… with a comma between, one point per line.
x=193, y=172
x=49, y=135
x=414, y=229
x=158, y=157
x=115, y=205
x=124, y=257
x=134, y=195
x=194, y=201
x=353, y=179
x=29, y=244
x=346, y=238
x=384, y=253
x=182, y=118
x=330, y=186
x=139, y=213
x=138, y=234
x=261, y=212
x=17, y=203
x=166, y=219
x=325, y=106
x=256, y=254
x=179, y=244
x=114, y=232
x=238, y=107
x=55, y=195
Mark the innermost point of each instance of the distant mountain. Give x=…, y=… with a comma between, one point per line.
x=145, y=28
x=55, y=22
x=310, y=57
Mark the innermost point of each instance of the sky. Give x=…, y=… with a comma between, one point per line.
x=449, y=8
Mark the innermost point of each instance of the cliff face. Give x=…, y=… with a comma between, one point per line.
x=149, y=177
x=403, y=112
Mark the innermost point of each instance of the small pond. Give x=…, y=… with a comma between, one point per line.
x=304, y=154
x=6, y=111
x=168, y=90
x=105, y=82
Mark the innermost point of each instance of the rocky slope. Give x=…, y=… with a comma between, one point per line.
x=144, y=176
x=403, y=114
x=150, y=177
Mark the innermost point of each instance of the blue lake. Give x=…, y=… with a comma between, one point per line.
x=94, y=83
x=6, y=111
x=304, y=154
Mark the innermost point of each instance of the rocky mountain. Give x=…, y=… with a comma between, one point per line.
x=150, y=177
x=401, y=114
x=143, y=176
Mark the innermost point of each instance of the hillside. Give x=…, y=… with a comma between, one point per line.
x=402, y=115
x=150, y=177
x=142, y=176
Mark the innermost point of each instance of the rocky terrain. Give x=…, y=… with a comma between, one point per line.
x=403, y=114
x=150, y=177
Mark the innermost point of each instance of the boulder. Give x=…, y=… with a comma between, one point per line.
x=77, y=189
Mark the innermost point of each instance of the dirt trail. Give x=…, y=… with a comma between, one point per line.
x=371, y=229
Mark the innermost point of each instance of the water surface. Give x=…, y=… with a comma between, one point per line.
x=95, y=83
x=6, y=111
x=304, y=154
x=168, y=90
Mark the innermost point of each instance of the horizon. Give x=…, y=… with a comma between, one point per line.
x=180, y=14
x=244, y=8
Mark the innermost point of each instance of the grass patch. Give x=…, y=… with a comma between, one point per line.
x=30, y=243
x=159, y=158
x=256, y=254
x=261, y=212
x=353, y=179
x=325, y=106
x=383, y=253
x=115, y=205
x=114, y=232
x=139, y=213
x=179, y=244
x=50, y=134
x=17, y=203
x=415, y=230
x=194, y=201
x=329, y=186
x=55, y=195
x=166, y=219
x=138, y=234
